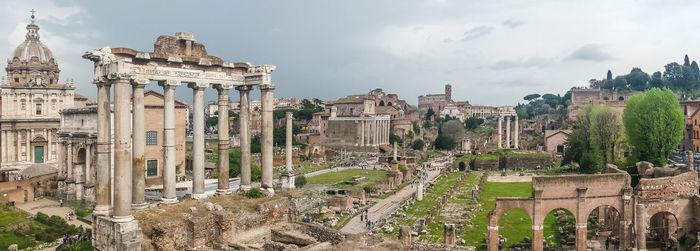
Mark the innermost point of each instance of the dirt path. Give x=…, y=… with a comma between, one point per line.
x=50, y=208
x=386, y=206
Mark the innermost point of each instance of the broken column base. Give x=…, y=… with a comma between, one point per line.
x=287, y=179
x=110, y=234
x=394, y=178
x=419, y=191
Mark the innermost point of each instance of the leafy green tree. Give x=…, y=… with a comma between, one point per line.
x=521, y=112
x=255, y=144
x=605, y=131
x=653, y=124
x=657, y=80
x=395, y=138
x=453, y=129
x=212, y=121
x=686, y=60
x=473, y=122
x=609, y=76
x=429, y=114
x=638, y=80
x=427, y=124
x=417, y=144
x=578, y=147
x=620, y=83
x=279, y=135
x=300, y=181
x=551, y=99
x=234, y=163
x=443, y=142
x=531, y=97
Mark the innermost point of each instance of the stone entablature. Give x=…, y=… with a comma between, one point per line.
x=683, y=186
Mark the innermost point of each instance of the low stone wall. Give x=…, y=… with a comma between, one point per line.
x=485, y=164
x=423, y=246
x=321, y=233
x=526, y=162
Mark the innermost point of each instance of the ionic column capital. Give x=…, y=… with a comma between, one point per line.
x=222, y=87
x=169, y=83
x=267, y=87
x=102, y=83
x=244, y=88
x=139, y=83
x=198, y=86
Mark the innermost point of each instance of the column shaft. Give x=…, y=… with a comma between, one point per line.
x=198, y=142
x=138, y=175
x=122, y=150
x=289, y=142
x=362, y=133
x=103, y=189
x=169, y=172
x=267, y=98
x=47, y=133
x=537, y=239
x=508, y=132
x=517, y=132
x=492, y=241
x=88, y=164
x=581, y=231
x=500, y=131
x=69, y=161
x=244, y=134
x=222, y=165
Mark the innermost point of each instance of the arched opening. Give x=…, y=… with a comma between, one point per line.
x=621, y=98
x=559, y=229
x=604, y=228
x=515, y=230
x=381, y=103
x=389, y=104
x=462, y=166
x=81, y=156
x=662, y=232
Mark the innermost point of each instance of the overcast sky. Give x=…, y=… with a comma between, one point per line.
x=492, y=52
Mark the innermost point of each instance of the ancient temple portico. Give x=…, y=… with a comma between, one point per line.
x=175, y=60
x=507, y=113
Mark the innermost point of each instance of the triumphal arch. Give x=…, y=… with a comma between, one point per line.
x=664, y=205
x=175, y=61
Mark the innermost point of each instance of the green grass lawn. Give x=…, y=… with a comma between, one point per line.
x=336, y=178
x=436, y=228
x=514, y=224
x=309, y=167
x=9, y=217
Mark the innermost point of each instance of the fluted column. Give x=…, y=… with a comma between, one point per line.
x=508, y=132
x=244, y=134
x=122, y=151
x=517, y=132
x=103, y=190
x=222, y=165
x=169, y=174
x=198, y=141
x=500, y=131
x=267, y=98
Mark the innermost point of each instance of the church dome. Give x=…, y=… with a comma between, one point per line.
x=32, y=47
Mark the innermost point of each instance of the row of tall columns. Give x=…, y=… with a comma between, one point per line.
x=374, y=132
x=508, y=132
x=129, y=162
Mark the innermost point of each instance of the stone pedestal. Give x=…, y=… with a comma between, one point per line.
x=394, y=178
x=450, y=237
x=287, y=178
x=419, y=191
x=111, y=235
x=405, y=235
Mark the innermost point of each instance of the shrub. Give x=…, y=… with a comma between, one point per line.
x=370, y=189
x=418, y=145
x=300, y=181
x=254, y=193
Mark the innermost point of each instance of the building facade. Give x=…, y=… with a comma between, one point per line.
x=31, y=100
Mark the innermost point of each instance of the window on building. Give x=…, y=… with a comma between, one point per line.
x=151, y=138
x=151, y=167
x=38, y=109
x=16, y=80
x=560, y=148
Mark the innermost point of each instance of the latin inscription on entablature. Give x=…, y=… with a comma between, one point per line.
x=159, y=72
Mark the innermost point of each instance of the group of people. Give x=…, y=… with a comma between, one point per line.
x=365, y=218
x=70, y=240
x=69, y=216
x=21, y=177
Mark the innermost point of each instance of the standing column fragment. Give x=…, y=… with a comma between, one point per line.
x=169, y=196
x=138, y=182
x=244, y=134
x=508, y=132
x=103, y=190
x=198, y=142
x=122, y=151
x=267, y=98
x=517, y=132
x=222, y=164
x=500, y=131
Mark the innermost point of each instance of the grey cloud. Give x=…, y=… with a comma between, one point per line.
x=512, y=23
x=477, y=32
x=535, y=62
x=590, y=52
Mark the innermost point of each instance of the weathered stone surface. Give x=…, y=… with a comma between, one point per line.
x=405, y=235
x=274, y=210
x=292, y=237
x=342, y=203
x=321, y=233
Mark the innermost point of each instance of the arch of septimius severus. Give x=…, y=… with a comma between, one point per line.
x=175, y=60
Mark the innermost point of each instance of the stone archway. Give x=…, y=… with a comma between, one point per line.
x=663, y=231
x=604, y=226
x=559, y=228
x=462, y=166
x=517, y=221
